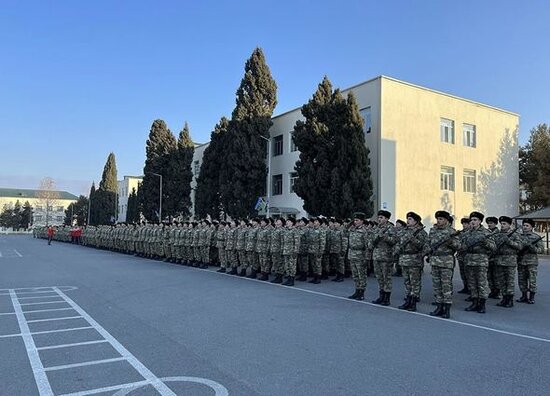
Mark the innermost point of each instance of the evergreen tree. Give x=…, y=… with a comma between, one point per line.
x=132, y=214
x=17, y=217
x=26, y=215
x=93, y=205
x=139, y=203
x=160, y=147
x=106, y=195
x=534, y=168
x=244, y=170
x=207, y=193
x=77, y=211
x=179, y=176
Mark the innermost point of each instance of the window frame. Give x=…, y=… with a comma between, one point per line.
x=274, y=182
x=469, y=134
x=444, y=135
x=469, y=180
x=278, y=145
x=447, y=179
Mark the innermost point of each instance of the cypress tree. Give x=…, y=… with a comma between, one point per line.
x=207, y=193
x=26, y=215
x=93, y=205
x=132, y=213
x=77, y=210
x=160, y=147
x=106, y=194
x=244, y=170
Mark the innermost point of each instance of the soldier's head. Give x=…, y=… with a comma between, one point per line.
x=383, y=217
x=400, y=224
x=443, y=218
x=279, y=222
x=528, y=225
x=290, y=222
x=465, y=221
x=358, y=218
x=505, y=223
x=476, y=218
x=413, y=219
x=491, y=222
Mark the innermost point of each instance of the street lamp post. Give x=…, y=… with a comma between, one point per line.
x=268, y=140
x=160, y=197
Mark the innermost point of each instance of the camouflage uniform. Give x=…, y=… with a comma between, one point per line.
x=442, y=261
x=383, y=240
x=356, y=255
x=410, y=248
x=275, y=247
x=478, y=245
x=302, y=264
x=336, y=238
x=262, y=248
x=220, y=245
x=528, y=262
x=316, y=243
x=492, y=270
x=508, y=245
x=240, y=246
x=291, y=246
x=230, y=239
x=250, y=248
x=461, y=263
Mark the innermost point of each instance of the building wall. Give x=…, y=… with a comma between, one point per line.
x=195, y=167
x=412, y=153
x=56, y=214
x=125, y=187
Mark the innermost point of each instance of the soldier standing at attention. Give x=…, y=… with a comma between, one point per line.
x=492, y=223
x=276, y=248
x=316, y=249
x=303, y=269
x=528, y=262
x=325, y=231
x=240, y=246
x=411, y=247
x=230, y=243
x=370, y=228
x=465, y=221
x=400, y=227
x=291, y=246
x=477, y=246
x=250, y=247
x=262, y=248
x=383, y=240
x=220, y=245
x=356, y=255
x=337, y=249
x=443, y=243
x=509, y=244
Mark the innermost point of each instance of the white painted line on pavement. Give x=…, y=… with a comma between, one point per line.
x=62, y=330
x=48, y=310
x=108, y=389
x=52, y=319
x=44, y=387
x=72, y=345
x=29, y=298
x=91, y=363
x=11, y=335
x=16, y=252
x=140, y=367
x=45, y=302
x=7, y=313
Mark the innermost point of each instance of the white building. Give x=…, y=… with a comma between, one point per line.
x=125, y=187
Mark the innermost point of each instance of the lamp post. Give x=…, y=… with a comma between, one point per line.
x=268, y=140
x=160, y=194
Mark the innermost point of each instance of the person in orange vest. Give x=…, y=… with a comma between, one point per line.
x=51, y=233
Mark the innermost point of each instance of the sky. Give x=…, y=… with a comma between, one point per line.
x=79, y=79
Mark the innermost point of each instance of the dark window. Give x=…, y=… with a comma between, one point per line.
x=278, y=145
x=277, y=185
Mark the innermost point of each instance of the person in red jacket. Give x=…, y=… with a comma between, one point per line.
x=51, y=233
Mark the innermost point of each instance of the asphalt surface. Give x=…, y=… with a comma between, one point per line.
x=204, y=333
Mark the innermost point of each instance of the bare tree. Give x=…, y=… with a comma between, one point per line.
x=47, y=196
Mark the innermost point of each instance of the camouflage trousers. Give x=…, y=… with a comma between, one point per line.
x=278, y=265
x=442, y=282
x=505, y=278
x=316, y=263
x=358, y=272
x=159, y=249
x=223, y=257
x=326, y=263
x=303, y=264
x=265, y=262
x=383, y=271
x=527, y=278
x=370, y=266
x=477, y=281
x=214, y=258
x=290, y=264
x=462, y=271
x=492, y=275
x=205, y=254
x=337, y=263
x=168, y=249
x=252, y=261
x=232, y=259
x=197, y=253
x=241, y=255
x=412, y=277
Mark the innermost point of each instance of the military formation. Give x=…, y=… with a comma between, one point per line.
x=283, y=251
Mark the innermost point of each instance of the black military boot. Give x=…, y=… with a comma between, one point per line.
x=494, y=293
x=315, y=280
x=233, y=271
x=380, y=298
x=263, y=276
x=523, y=298
x=360, y=295
x=464, y=290
x=252, y=274
x=531, y=298
x=446, y=311
x=302, y=277
x=339, y=277
x=289, y=281
x=438, y=310
x=407, y=303
x=503, y=302
x=354, y=295
x=510, y=301
x=221, y=270
x=278, y=279
x=412, y=305
x=204, y=266
x=469, y=299
x=473, y=306
x=324, y=275
x=243, y=272
x=386, y=301
x=481, y=306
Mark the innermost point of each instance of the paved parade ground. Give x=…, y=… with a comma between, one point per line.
x=75, y=320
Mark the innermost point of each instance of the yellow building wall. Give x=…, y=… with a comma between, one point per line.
x=411, y=151
x=9, y=201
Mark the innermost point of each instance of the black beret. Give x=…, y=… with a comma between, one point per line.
x=505, y=219
x=477, y=215
x=304, y=220
x=491, y=219
x=444, y=214
x=292, y=220
x=359, y=215
x=529, y=221
x=313, y=218
x=339, y=221
x=401, y=222
x=465, y=220
x=415, y=216
x=384, y=213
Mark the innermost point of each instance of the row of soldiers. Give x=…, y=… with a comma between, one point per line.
x=315, y=247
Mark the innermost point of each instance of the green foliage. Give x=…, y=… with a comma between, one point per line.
x=26, y=215
x=93, y=207
x=243, y=172
x=334, y=177
x=534, y=168
x=160, y=147
x=77, y=211
x=16, y=217
x=207, y=194
x=104, y=202
x=132, y=213
x=179, y=176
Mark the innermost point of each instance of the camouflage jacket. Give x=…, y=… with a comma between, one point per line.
x=477, y=245
x=240, y=237
x=276, y=241
x=291, y=241
x=411, y=246
x=262, y=239
x=508, y=245
x=357, y=245
x=383, y=240
x=531, y=249
x=443, y=243
x=250, y=240
x=336, y=242
x=316, y=241
x=230, y=235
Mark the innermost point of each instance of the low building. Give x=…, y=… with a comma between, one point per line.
x=429, y=150
x=125, y=187
x=48, y=206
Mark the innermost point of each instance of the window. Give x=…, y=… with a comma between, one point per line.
x=447, y=178
x=447, y=131
x=38, y=218
x=39, y=207
x=60, y=208
x=277, y=185
x=293, y=177
x=278, y=145
x=367, y=119
x=59, y=218
x=469, y=135
x=196, y=168
x=469, y=180
x=50, y=208
x=292, y=144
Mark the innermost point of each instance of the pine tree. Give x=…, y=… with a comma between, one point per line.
x=207, y=194
x=160, y=147
x=179, y=177
x=105, y=196
x=132, y=214
x=244, y=170
x=77, y=211
x=534, y=168
x=26, y=215
x=93, y=205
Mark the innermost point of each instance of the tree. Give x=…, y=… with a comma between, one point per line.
x=26, y=215
x=160, y=146
x=93, y=211
x=77, y=211
x=48, y=197
x=534, y=168
x=132, y=214
x=207, y=194
x=105, y=196
x=243, y=172
x=179, y=176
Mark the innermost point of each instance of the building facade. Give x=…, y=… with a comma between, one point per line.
x=125, y=187
x=48, y=206
x=429, y=150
